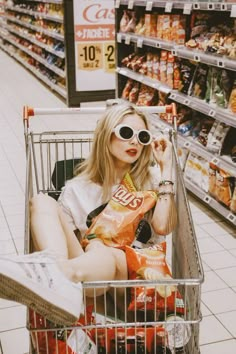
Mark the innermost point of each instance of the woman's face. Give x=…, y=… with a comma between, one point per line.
x=126, y=152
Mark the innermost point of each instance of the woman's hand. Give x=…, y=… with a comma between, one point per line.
x=162, y=150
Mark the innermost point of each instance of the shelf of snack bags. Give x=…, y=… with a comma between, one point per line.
x=207, y=155
x=160, y=315
x=166, y=54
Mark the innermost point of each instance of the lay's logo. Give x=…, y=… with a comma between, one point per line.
x=123, y=197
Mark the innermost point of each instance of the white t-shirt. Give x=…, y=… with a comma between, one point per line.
x=80, y=197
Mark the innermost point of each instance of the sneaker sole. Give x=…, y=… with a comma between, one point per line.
x=10, y=289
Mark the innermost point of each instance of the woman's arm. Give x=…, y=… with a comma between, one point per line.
x=164, y=217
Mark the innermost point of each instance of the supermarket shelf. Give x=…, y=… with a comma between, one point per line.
x=42, y=77
x=194, y=146
x=51, y=67
x=51, y=34
x=36, y=14
x=143, y=79
x=32, y=40
x=178, y=50
x=169, y=5
x=223, y=115
x=211, y=202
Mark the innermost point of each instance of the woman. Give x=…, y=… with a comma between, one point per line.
x=50, y=281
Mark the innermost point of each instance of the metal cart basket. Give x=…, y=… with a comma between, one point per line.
x=51, y=157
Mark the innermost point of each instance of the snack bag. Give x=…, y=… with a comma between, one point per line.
x=53, y=340
x=117, y=223
x=150, y=264
x=223, y=187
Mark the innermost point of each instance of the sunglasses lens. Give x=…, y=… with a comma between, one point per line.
x=144, y=137
x=126, y=133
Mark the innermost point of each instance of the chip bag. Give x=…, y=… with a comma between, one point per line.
x=117, y=223
x=150, y=264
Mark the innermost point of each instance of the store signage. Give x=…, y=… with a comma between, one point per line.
x=94, y=35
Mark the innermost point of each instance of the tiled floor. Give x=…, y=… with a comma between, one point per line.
x=216, y=238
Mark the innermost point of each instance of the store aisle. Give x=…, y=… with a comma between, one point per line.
x=216, y=238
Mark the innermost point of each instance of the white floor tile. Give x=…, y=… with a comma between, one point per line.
x=227, y=241
x=209, y=245
x=222, y=300
x=205, y=310
x=226, y=347
x=12, y=318
x=228, y=275
x=215, y=229
x=219, y=260
x=229, y=321
x=212, y=282
x=15, y=341
x=212, y=331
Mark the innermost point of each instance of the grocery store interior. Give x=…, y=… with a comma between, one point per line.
x=213, y=217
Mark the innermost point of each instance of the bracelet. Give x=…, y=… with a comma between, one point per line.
x=165, y=193
x=165, y=183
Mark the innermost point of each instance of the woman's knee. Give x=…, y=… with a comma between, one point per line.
x=43, y=203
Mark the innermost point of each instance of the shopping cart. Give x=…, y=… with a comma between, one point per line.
x=51, y=157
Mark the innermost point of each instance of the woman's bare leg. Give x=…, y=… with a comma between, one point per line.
x=50, y=229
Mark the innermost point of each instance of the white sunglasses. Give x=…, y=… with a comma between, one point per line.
x=125, y=132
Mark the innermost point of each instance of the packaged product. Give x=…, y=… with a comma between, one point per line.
x=133, y=94
x=224, y=191
x=126, y=91
x=212, y=179
x=170, y=69
x=232, y=100
x=216, y=136
x=128, y=21
x=199, y=82
x=166, y=29
x=140, y=27
x=178, y=29
x=117, y=223
x=206, y=126
x=233, y=200
x=186, y=73
x=147, y=96
x=160, y=21
x=149, y=64
x=150, y=264
x=150, y=24
x=163, y=66
x=155, y=66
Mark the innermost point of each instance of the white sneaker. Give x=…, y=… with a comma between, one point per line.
x=34, y=280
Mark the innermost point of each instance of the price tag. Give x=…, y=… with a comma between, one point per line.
x=211, y=6
x=173, y=96
x=127, y=39
x=117, y=4
x=233, y=11
x=186, y=102
x=187, y=9
x=168, y=7
x=109, y=57
x=207, y=199
x=140, y=42
x=223, y=7
x=212, y=113
x=231, y=217
x=90, y=56
x=149, y=6
x=215, y=161
x=158, y=44
x=196, y=6
x=196, y=57
x=119, y=37
x=187, y=144
x=130, y=4
x=220, y=63
x=174, y=52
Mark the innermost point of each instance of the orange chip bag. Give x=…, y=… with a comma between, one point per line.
x=150, y=264
x=117, y=223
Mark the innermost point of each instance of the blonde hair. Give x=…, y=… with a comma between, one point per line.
x=99, y=166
